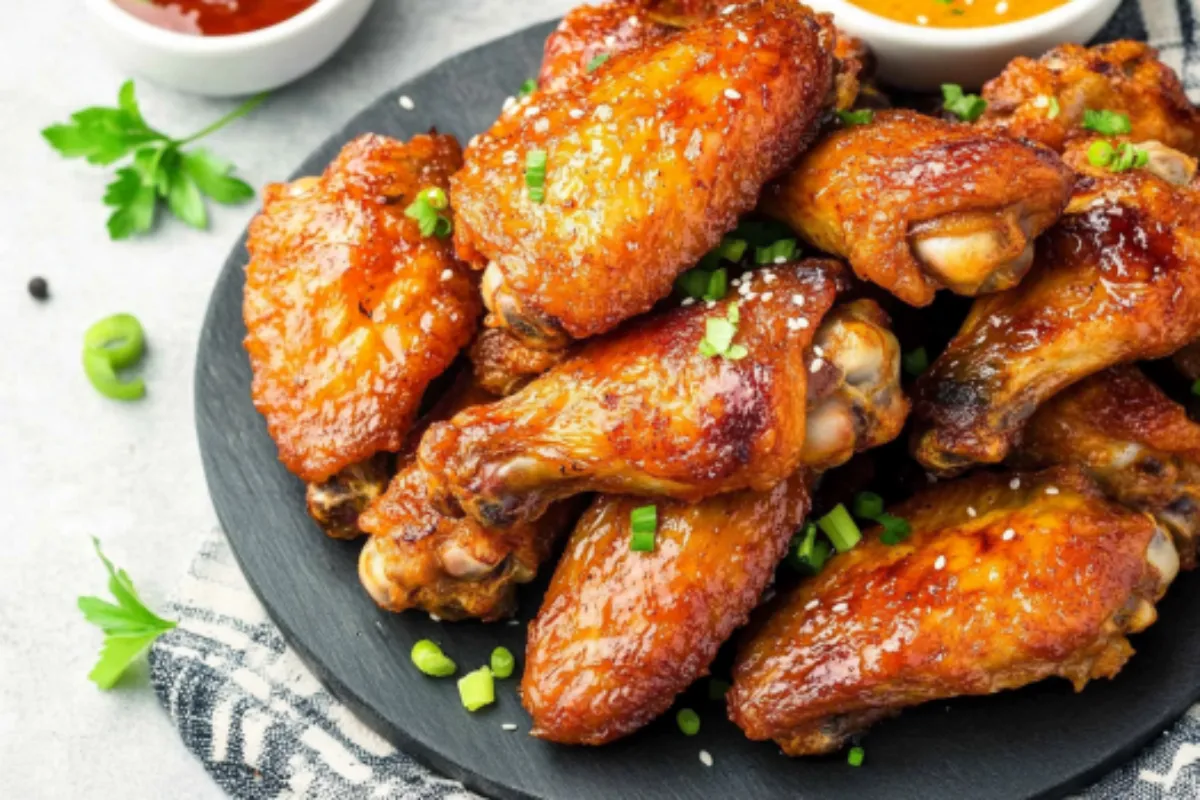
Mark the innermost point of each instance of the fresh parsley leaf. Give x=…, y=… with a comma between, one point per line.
x=129, y=627
x=162, y=169
x=967, y=107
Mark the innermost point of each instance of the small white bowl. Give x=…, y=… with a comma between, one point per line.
x=923, y=58
x=223, y=66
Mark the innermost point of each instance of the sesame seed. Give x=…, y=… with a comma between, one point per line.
x=634, y=21
x=840, y=608
x=474, y=140
x=406, y=103
x=811, y=604
x=940, y=563
x=1051, y=490
x=971, y=512
x=733, y=94
x=729, y=9
x=766, y=296
x=532, y=111
x=514, y=622
x=508, y=726
x=687, y=301
x=1008, y=535
x=435, y=618
x=817, y=349
x=706, y=758
x=816, y=365
x=743, y=38
x=603, y=112
x=509, y=102
x=575, y=113
x=541, y=126
x=769, y=276
x=509, y=157
x=798, y=299
x=1015, y=483
x=780, y=259
x=736, y=282
x=710, y=303
x=447, y=274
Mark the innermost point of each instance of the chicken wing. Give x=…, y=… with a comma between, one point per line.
x=1134, y=441
x=335, y=503
x=645, y=411
x=621, y=633
x=1117, y=280
x=349, y=311
x=648, y=161
x=917, y=203
x=1045, y=99
x=503, y=363
x=1046, y=579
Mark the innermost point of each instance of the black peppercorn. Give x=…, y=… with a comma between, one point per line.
x=39, y=288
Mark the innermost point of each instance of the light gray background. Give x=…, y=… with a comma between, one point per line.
x=75, y=465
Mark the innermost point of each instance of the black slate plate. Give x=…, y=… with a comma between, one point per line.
x=1041, y=741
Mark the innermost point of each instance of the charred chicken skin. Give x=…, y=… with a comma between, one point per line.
x=649, y=160
x=1134, y=441
x=620, y=632
x=350, y=311
x=1046, y=580
x=645, y=411
x=1125, y=77
x=1116, y=280
x=917, y=204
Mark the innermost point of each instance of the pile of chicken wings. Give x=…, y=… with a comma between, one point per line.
x=471, y=355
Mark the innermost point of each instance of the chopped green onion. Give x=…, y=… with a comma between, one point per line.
x=762, y=232
x=703, y=284
x=868, y=505
x=1196, y=388
x=855, y=759
x=719, y=333
x=528, y=87
x=641, y=542
x=643, y=524
x=114, y=343
x=732, y=249
x=597, y=61
x=967, y=107
x=839, y=526
x=436, y=197
x=477, y=689
x=915, y=361
x=717, y=689
x=777, y=252
x=425, y=211
x=429, y=658
x=535, y=174
x=895, y=529
x=1100, y=153
x=1055, y=109
x=502, y=662
x=1109, y=123
x=806, y=554
x=1121, y=159
x=862, y=116
x=689, y=721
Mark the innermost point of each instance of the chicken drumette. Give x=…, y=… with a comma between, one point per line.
x=620, y=633
x=1135, y=442
x=1116, y=280
x=686, y=403
x=917, y=204
x=648, y=160
x=351, y=312
x=1045, y=579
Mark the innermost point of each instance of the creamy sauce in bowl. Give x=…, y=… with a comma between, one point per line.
x=957, y=13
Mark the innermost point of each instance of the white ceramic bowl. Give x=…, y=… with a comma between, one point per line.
x=919, y=57
x=222, y=66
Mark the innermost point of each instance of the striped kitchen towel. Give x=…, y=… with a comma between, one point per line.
x=265, y=728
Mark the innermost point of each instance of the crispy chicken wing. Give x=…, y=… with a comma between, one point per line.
x=1123, y=76
x=644, y=411
x=649, y=160
x=1045, y=581
x=1137, y=443
x=503, y=363
x=917, y=203
x=1117, y=280
x=620, y=632
x=335, y=503
x=350, y=312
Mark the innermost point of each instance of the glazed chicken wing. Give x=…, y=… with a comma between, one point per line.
x=350, y=312
x=620, y=632
x=1045, y=580
x=1125, y=77
x=1134, y=441
x=917, y=204
x=645, y=411
x=1117, y=280
x=503, y=363
x=648, y=161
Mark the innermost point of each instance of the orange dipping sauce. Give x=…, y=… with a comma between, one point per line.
x=958, y=13
x=214, y=17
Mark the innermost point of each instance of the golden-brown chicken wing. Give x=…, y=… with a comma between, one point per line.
x=620, y=632
x=1137, y=443
x=503, y=363
x=350, y=312
x=646, y=411
x=335, y=503
x=1045, y=579
x=649, y=160
x=1116, y=280
x=917, y=203
x=1045, y=99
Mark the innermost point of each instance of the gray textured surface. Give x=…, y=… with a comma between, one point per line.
x=73, y=464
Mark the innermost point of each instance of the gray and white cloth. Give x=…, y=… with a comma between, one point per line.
x=265, y=728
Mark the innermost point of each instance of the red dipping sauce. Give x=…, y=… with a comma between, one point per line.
x=214, y=17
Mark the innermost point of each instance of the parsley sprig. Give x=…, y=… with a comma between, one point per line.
x=160, y=169
x=129, y=627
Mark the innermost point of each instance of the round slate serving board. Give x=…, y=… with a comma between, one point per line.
x=1041, y=741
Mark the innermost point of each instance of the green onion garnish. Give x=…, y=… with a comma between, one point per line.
x=1100, y=153
x=967, y=107
x=535, y=174
x=114, y=343
x=717, y=689
x=862, y=116
x=806, y=554
x=528, y=87
x=718, y=336
x=868, y=505
x=643, y=524
x=1109, y=123
x=1054, y=110
x=502, y=662
x=425, y=210
x=477, y=689
x=915, y=361
x=1196, y=388
x=689, y=721
x=732, y=249
x=855, y=758
x=777, y=252
x=429, y=658
x=839, y=526
x=1120, y=159
x=597, y=61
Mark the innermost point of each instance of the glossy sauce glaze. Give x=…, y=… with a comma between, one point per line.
x=214, y=17
x=958, y=13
